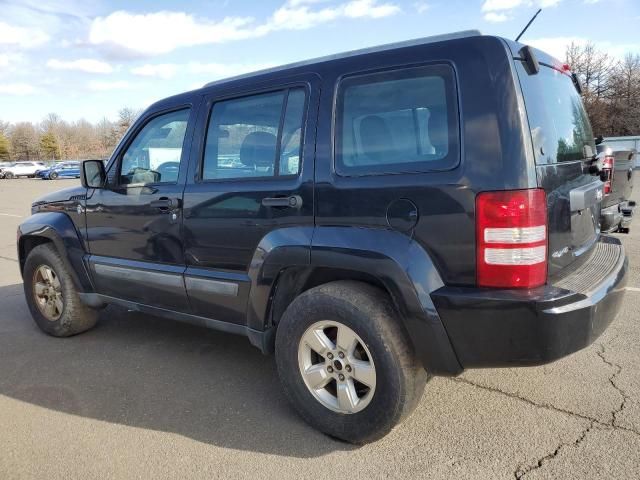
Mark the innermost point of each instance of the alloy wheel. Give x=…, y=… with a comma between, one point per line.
x=337, y=367
x=47, y=292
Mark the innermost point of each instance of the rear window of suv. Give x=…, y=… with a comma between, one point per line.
x=398, y=121
x=560, y=128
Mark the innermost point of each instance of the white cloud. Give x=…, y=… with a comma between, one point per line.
x=502, y=5
x=88, y=65
x=494, y=17
x=4, y=61
x=497, y=5
x=222, y=70
x=160, y=70
x=368, y=8
x=421, y=7
x=21, y=37
x=100, y=86
x=162, y=32
x=211, y=70
x=557, y=46
x=16, y=89
x=548, y=3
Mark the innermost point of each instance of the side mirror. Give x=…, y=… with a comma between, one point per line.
x=93, y=174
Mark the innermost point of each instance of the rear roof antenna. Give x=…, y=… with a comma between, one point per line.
x=527, y=26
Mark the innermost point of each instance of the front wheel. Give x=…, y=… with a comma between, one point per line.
x=53, y=175
x=346, y=363
x=9, y=175
x=52, y=296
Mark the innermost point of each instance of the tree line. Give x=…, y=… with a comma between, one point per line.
x=610, y=89
x=56, y=139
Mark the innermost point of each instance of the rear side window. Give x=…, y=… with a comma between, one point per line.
x=255, y=136
x=560, y=128
x=398, y=121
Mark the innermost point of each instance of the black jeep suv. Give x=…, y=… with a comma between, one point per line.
x=373, y=218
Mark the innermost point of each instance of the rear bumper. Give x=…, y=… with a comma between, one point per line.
x=503, y=328
x=617, y=216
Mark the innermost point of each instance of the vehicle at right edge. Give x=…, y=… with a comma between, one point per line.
x=373, y=218
x=616, y=171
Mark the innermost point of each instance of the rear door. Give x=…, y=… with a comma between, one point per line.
x=564, y=147
x=251, y=174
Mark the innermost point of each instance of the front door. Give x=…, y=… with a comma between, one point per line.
x=253, y=174
x=133, y=225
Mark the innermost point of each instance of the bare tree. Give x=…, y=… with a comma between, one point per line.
x=24, y=140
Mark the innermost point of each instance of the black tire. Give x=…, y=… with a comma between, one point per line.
x=9, y=176
x=53, y=175
x=75, y=317
x=400, y=379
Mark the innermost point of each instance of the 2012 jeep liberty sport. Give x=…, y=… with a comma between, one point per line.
x=373, y=218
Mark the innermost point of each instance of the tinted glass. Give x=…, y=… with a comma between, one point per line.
x=399, y=121
x=560, y=128
x=242, y=138
x=154, y=155
x=291, y=140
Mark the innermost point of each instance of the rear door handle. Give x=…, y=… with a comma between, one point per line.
x=294, y=201
x=165, y=204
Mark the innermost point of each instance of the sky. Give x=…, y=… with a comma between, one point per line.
x=87, y=59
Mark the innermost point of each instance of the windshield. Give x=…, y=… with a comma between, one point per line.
x=560, y=128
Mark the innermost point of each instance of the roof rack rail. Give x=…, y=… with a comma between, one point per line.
x=381, y=48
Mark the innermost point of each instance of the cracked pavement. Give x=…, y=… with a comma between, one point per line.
x=141, y=397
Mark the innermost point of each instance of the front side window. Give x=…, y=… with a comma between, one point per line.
x=256, y=136
x=399, y=121
x=155, y=153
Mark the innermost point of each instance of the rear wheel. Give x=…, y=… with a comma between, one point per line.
x=346, y=363
x=52, y=296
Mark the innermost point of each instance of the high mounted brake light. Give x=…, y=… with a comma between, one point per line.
x=511, y=235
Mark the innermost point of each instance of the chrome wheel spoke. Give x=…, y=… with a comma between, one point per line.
x=39, y=288
x=56, y=283
x=50, y=310
x=364, y=372
x=47, y=274
x=317, y=376
x=347, y=340
x=58, y=306
x=318, y=341
x=347, y=396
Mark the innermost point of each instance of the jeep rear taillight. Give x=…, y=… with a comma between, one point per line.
x=606, y=173
x=511, y=230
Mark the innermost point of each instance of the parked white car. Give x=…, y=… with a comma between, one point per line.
x=23, y=169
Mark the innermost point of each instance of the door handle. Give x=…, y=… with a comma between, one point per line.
x=165, y=204
x=294, y=201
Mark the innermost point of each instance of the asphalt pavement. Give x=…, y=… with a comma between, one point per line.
x=143, y=397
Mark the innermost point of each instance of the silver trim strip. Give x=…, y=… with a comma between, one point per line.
x=134, y=275
x=206, y=285
x=381, y=48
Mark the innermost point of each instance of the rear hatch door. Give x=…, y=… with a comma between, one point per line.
x=564, y=149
